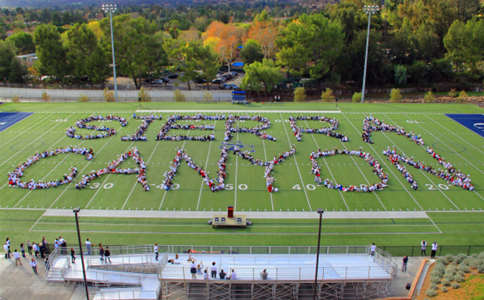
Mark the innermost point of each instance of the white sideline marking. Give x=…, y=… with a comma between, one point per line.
x=424, y=173
x=297, y=166
x=183, y=214
x=239, y=111
x=384, y=161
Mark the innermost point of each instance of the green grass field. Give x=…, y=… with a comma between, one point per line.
x=21, y=214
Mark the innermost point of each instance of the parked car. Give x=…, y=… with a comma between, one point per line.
x=200, y=80
x=218, y=81
x=161, y=81
x=229, y=86
x=173, y=75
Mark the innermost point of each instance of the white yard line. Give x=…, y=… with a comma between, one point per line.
x=433, y=223
x=390, y=167
x=265, y=158
x=449, y=147
x=105, y=180
x=82, y=170
x=136, y=182
x=45, y=176
x=424, y=173
x=454, y=134
x=35, y=123
x=206, y=166
x=165, y=192
x=26, y=146
x=35, y=223
x=236, y=175
x=329, y=170
x=297, y=165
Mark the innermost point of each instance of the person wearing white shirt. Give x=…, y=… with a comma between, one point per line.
x=16, y=255
x=88, y=246
x=434, y=249
x=5, y=248
x=233, y=275
x=156, y=251
x=33, y=264
x=372, y=249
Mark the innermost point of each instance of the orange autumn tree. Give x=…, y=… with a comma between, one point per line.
x=224, y=38
x=265, y=33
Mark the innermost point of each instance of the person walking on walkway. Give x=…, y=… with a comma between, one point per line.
x=33, y=264
x=107, y=255
x=213, y=271
x=156, y=251
x=404, y=263
x=423, y=248
x=372, y=249
x=434, y=249
x=5, y=248
x=73, y=256
x=101, y=252
x=16, y=255
x=88, y=246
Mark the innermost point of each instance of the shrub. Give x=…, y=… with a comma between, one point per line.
x=143, y=95
x=455, y=285
x=444, y=289
x=438, y=270
x=16, y=99
x=299, y=94
x=45, y=96
x=83, y=98
x=448, y=259
x=480, y=268
x=459, y=278
x=395, y=95
x=108, y=95
x=446, y=282
x=356, y=98
x=435, y=279
x=462, y=96
x=453, y=93
x=327, y=95
x=179, y=97
x=464, y=268
x=429, y=97
x=431, y=293
x=207, y=96
x=459, y=258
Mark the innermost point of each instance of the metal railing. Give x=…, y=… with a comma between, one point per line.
x=302, y=273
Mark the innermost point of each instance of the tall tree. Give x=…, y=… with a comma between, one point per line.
x=50, y=51
x=23, y=42
x=227, y=38
x=139, y=50
x=262, y=76
x=311, y=45
x=85, y=56
x=11, y=69
x=264, y=31
x=251, y=52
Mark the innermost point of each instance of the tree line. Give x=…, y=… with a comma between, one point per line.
x=412, y=42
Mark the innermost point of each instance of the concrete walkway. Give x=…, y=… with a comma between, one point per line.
x=397, y=288
x=20, y=283
x=179, y=214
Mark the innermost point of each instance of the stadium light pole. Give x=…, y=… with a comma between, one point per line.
x=320, y=212
x=76, y=212
x=110, y=8
x=369, y=10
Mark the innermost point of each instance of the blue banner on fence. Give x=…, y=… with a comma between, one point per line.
x=474, y=122
x=7, y=119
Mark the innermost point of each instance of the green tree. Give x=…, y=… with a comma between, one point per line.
x=138, y=45
x=251, y=52
x=464, y=44
x=50, y=51
x=400, y=75
x=262, y=76
x=23, y=42
x=11, y=69
x=84, y=55
x=311, y=45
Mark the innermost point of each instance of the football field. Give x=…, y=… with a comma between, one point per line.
x=451, y=213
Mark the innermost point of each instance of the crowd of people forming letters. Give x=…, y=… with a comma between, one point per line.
x=103, y=131
x=329, y=131
x=370, y=124
x=377, y=169
x=14, y=177
x=449, y=173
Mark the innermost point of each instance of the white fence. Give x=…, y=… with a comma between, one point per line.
x=98, y=95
